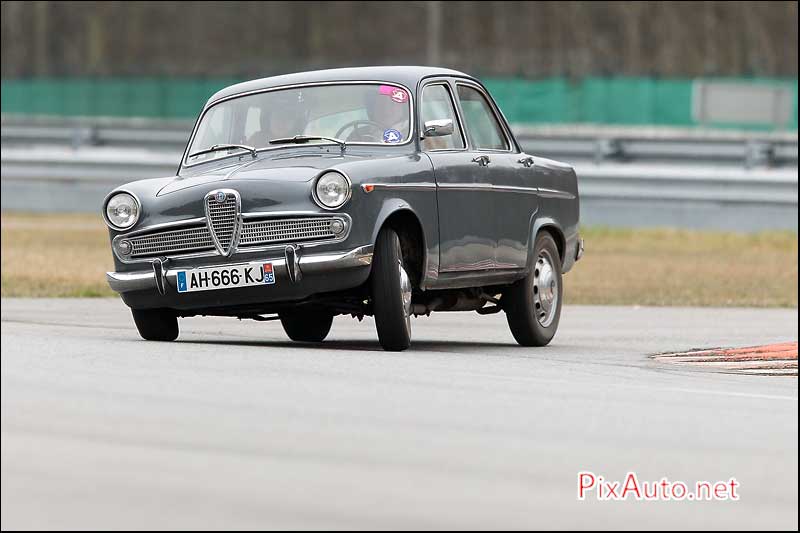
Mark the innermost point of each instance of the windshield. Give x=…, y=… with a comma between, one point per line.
x=372, y=113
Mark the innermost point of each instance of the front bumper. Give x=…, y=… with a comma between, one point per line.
x=579, y=250
x=298, y=275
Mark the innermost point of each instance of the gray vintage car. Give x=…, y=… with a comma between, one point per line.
x=383, y=191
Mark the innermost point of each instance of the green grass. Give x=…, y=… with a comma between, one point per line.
x=68, y=255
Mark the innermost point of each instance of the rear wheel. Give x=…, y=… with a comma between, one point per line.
x=156, y=324
x=390, y=287
x=533, y=304
x=307, y=326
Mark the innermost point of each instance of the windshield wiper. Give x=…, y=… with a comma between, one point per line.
x=301, y=139
x=218, y=147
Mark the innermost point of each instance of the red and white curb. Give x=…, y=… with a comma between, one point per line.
x=770, y=360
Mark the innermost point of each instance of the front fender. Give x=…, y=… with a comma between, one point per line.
x=422, y=207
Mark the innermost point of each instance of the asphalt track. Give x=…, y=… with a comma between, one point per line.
x=235, y=427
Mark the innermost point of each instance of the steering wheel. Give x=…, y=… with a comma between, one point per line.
x=356, y=124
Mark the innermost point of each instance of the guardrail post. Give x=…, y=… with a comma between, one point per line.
x=608, y=149
x=85, y=135
x=759, y=154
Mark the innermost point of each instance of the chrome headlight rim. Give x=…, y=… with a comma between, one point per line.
x=348, y=190
x=136, y=201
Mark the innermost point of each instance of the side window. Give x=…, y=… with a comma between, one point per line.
x=480, y=121
x=438, y=105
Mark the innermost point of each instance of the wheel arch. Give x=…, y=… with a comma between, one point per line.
x=406, y=223
x=552, y=228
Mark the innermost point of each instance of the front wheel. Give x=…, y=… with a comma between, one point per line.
x=307, y=326
x=533, y=304
x=156, y=324
x=390, y=287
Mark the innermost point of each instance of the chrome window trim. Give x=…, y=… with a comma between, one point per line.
x=249, y=217
x=184, y=160
x=105, y=206
x=510, y=142
x=444, y=82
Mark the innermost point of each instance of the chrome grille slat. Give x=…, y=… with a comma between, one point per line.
x=254, y=233
x=272, y=231
x=184, y=240
x=222, y=218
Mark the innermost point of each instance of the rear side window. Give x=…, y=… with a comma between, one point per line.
x=438, y=105
x=480, y=121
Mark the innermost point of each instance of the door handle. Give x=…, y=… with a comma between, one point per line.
x=482, y=160
x=527, y=162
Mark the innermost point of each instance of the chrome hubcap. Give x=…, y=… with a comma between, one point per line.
x=405, y=292
x=545, y=290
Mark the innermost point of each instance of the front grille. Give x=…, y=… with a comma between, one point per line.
x=285, y=230
x=222, y=218
x=179, y=241
x=263, y=232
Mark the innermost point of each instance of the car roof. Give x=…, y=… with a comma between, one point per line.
x=408, y=76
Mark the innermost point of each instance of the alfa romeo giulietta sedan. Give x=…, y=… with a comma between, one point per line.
x=389, y=192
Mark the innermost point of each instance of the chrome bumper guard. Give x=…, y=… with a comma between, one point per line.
x=293, y=263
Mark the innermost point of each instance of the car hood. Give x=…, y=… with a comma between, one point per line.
x=286, y=168
x=267, y=184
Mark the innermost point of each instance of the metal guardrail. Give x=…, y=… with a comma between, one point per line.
x=570, y=143
x=615, y=194
x=659, y=178
x=111, y=132
x=745, y=152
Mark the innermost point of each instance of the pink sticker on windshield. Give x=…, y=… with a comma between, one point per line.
x=395, y=93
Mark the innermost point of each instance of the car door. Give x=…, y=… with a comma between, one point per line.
x=513, y=196
x=466, y=243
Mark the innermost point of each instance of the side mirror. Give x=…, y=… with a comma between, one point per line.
x=438, y=128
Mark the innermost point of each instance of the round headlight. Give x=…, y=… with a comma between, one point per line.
x=332, y=190
x=122, y=210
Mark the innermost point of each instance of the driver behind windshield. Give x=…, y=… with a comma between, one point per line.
x=286, y=116
x=387, y=114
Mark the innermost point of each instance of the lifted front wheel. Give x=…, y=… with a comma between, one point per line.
x=307, y=326
x=156, y=324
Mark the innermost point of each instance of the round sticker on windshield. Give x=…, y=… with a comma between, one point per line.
x=392, y=136
x=395, y=93
x=399, y=96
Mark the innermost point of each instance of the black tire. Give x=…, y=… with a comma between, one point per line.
x=307, y=326
x=392, y=313
x=156, y=324
x=528, y=320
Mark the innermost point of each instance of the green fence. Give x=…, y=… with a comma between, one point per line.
x=614, y=100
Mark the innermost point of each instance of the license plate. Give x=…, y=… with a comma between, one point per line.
x=225, y=277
